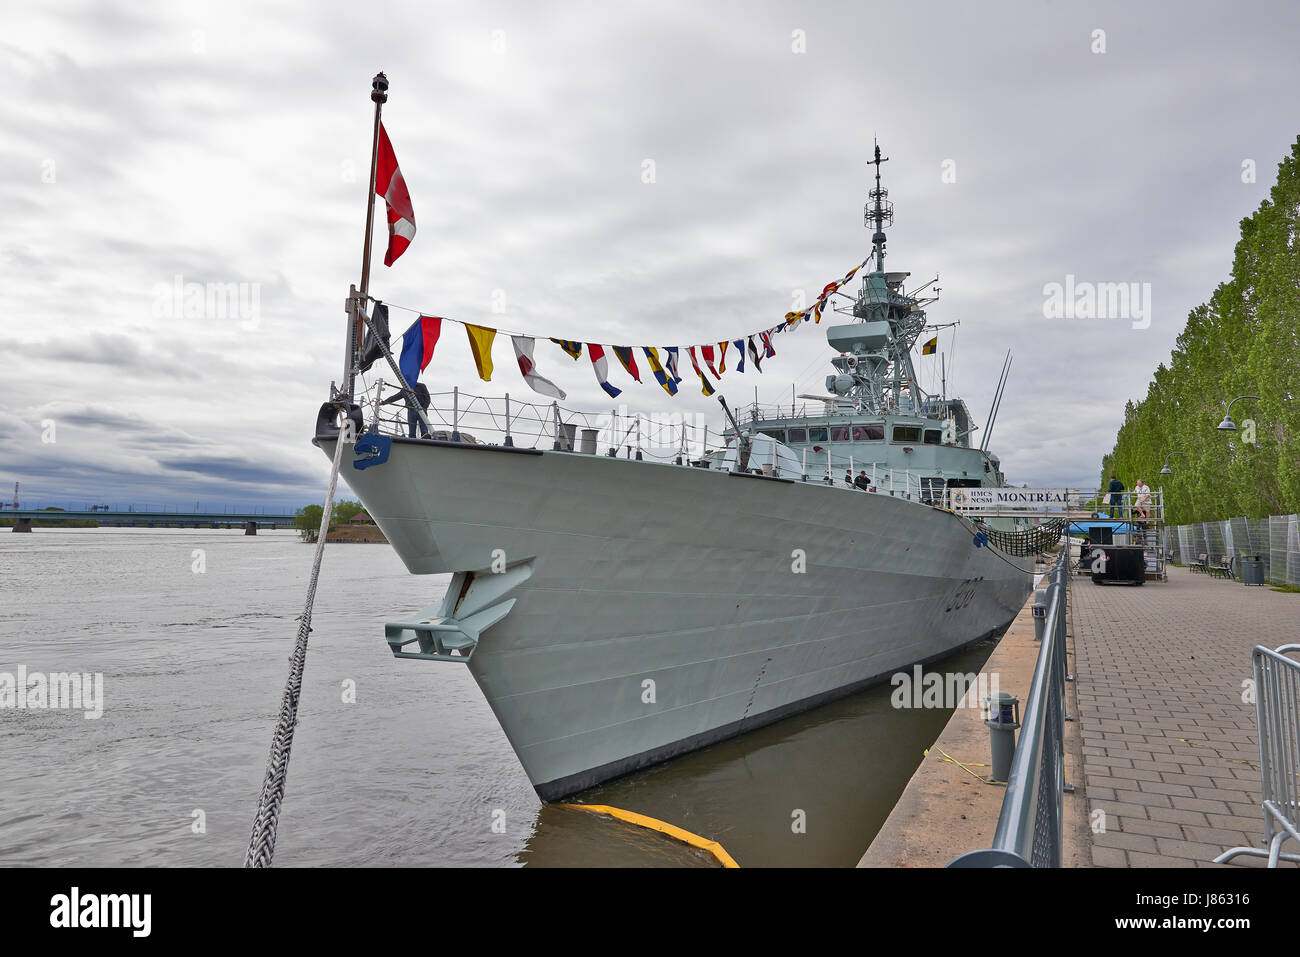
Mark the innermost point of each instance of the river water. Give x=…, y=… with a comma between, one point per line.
x=394, y=762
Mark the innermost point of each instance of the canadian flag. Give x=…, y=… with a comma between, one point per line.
x=390, y=185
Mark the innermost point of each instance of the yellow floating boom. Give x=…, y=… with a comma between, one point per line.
x=663, y=827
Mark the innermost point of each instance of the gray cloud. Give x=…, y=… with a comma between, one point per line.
x=239, y=471
x=186, y=143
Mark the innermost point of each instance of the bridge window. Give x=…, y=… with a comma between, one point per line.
x=933, y=436
x=868, y=433
x=839, y=433
x=907, y=433
x=798, y=435
x=816, y=435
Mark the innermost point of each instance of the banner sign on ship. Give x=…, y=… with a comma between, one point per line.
x=979, y=499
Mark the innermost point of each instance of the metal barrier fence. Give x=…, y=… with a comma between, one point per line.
x=1214, y=539
x=1277, y=709
x=1275, y=539
x=1030, y=824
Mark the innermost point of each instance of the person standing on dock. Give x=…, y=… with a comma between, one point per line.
x=1143, y=493
x=1116, y=490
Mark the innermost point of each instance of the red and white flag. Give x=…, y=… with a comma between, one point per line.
x=601, y=365
x=524, y=354
x=390, y=185
x=707, y=352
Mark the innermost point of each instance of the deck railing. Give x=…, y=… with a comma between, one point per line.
x=674, y=439
x=490, y=420
x=1029, y=826
x=830, y=407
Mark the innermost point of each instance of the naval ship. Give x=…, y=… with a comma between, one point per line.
x=617, y=612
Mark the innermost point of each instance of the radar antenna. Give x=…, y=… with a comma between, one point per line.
x=880, y=211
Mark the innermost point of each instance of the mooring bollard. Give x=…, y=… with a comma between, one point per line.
x=1040, y=613
x=1002, y=716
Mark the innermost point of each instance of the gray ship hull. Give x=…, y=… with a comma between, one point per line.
x=671, y=607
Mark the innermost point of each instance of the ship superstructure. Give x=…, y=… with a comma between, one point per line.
x=876, y=417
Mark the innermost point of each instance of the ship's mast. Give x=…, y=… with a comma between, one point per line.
x=356, y=304
x=879, y=210
x=874, y=367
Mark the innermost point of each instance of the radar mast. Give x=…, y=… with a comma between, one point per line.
x=874, y=370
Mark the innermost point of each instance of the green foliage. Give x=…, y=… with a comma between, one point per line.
x=343, y=512
x=1244, y=341
x=307, y=521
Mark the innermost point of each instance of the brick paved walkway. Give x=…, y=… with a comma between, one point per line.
x=1166, y=735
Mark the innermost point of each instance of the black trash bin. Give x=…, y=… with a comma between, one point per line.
x=1252, y=570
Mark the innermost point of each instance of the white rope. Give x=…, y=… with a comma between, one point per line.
x=261, y=847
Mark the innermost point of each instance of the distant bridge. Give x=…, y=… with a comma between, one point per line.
x=152, y=519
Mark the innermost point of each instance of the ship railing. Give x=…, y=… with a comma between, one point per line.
x=901, y=483
x=829, y=467
x=754, y=412
x=671, y=438
x=460, y=416
x=831, y=407
x=1029, y=828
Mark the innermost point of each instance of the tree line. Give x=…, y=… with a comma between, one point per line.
x=307, y=519
x=1243, y=341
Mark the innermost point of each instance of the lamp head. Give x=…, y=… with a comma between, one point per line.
x=1227, y=425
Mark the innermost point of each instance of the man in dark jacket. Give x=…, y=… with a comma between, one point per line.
x=1116, y=490
x=862, y=481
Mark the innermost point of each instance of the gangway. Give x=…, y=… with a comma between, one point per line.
x=1127, y=530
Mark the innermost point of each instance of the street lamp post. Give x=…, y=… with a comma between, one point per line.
x=1227, y=425
x=1165, y=469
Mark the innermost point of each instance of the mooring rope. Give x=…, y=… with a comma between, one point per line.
x=261, y=847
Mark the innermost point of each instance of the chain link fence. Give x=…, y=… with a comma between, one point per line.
x=1275, y=539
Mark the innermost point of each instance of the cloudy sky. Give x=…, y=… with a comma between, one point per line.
x=142, y=146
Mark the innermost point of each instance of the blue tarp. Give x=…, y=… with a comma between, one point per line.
x=1080, y=529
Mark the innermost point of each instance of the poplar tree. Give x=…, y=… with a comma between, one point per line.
x=1245, y=340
